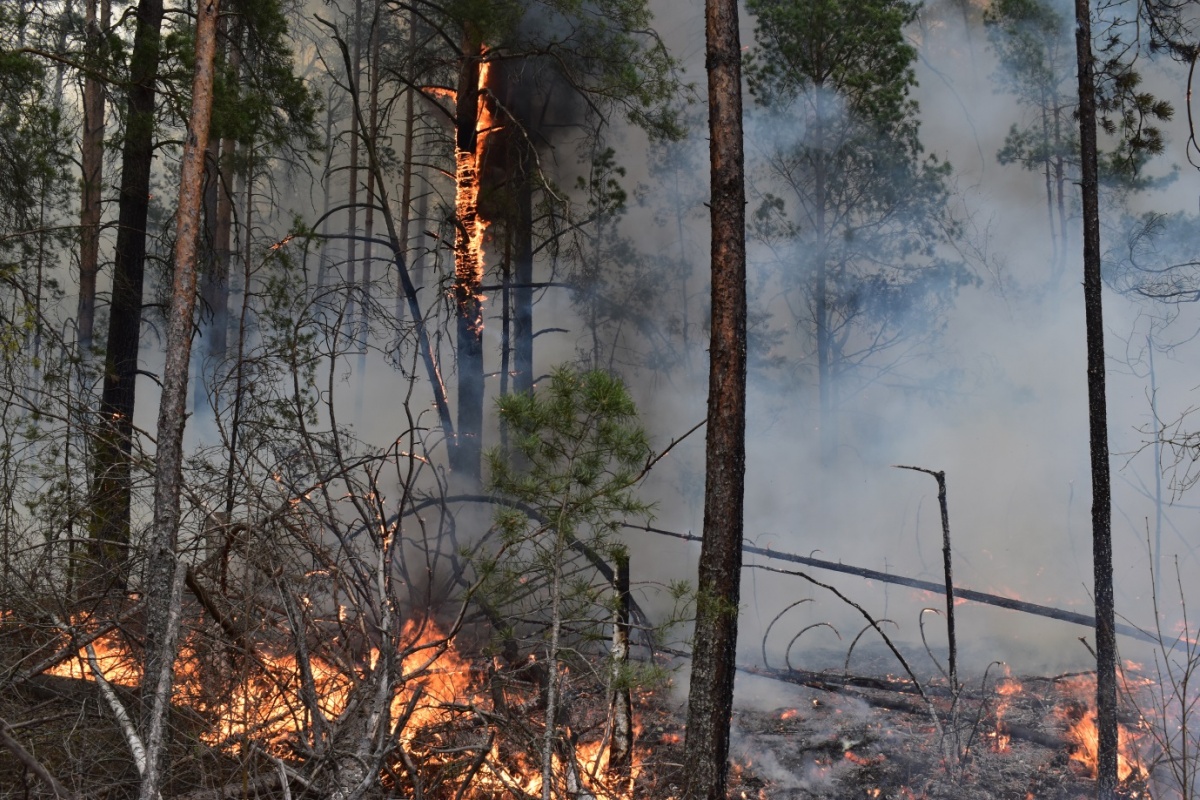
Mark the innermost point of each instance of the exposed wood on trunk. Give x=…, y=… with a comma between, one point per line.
x=163, y=581
x=710, y=699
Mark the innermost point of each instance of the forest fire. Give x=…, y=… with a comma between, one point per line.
x=1080, y=719
x=1006, y=690
x=264, y=708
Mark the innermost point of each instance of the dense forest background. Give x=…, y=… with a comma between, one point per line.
x=414, y=214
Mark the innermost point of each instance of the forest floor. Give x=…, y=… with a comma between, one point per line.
x=1024, y=738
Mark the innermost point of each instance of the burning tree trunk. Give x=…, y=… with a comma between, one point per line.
x=112, y=489
x=163, y=582
x=92, y=158
x=710, y=700
x=1106, y=640
x=472, y=122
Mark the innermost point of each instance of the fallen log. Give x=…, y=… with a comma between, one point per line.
x=929, y=586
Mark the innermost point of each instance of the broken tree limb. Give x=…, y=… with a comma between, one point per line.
x=32, y=764
x=952, y=647
x=928, y=586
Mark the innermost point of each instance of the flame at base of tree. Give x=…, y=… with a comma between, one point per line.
x=1084, y=735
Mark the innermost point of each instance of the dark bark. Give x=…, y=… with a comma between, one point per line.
x=948, y=568
x=522, y=291
x=112, y=490
x=354, y=73
x=710, y=699
x=92, y=169
x=163, y=581
x=1106, y=640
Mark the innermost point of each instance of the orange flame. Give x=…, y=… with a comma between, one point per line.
x=472, y=226
x=1084, y=734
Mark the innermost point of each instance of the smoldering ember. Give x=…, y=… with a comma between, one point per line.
x=612, y=399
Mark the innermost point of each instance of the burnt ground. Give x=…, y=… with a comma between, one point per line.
x=880, y=743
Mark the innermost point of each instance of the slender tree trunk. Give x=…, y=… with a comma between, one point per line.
x=326, y=185
x=369, y=221
x=828, y=425
x=519, y=149
x=112, y=492
x=92, y=163
x=522, y=294
x=710, y=700
x=428, y=355
x=352, y=77
x=1106, y=642
x=163, y=580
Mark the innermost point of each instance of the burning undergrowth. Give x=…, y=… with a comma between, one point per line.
x=463, y=723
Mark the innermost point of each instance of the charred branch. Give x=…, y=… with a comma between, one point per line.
x=1012, y=604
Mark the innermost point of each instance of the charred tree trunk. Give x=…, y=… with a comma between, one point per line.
x=466, y=449
x=92, y=162
x=112, y=489
x=1106, y=640
x=710, y=699
x=163, y=582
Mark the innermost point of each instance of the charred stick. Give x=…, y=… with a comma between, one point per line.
x=32, y=764
x=916, y=583
x=940, y=477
